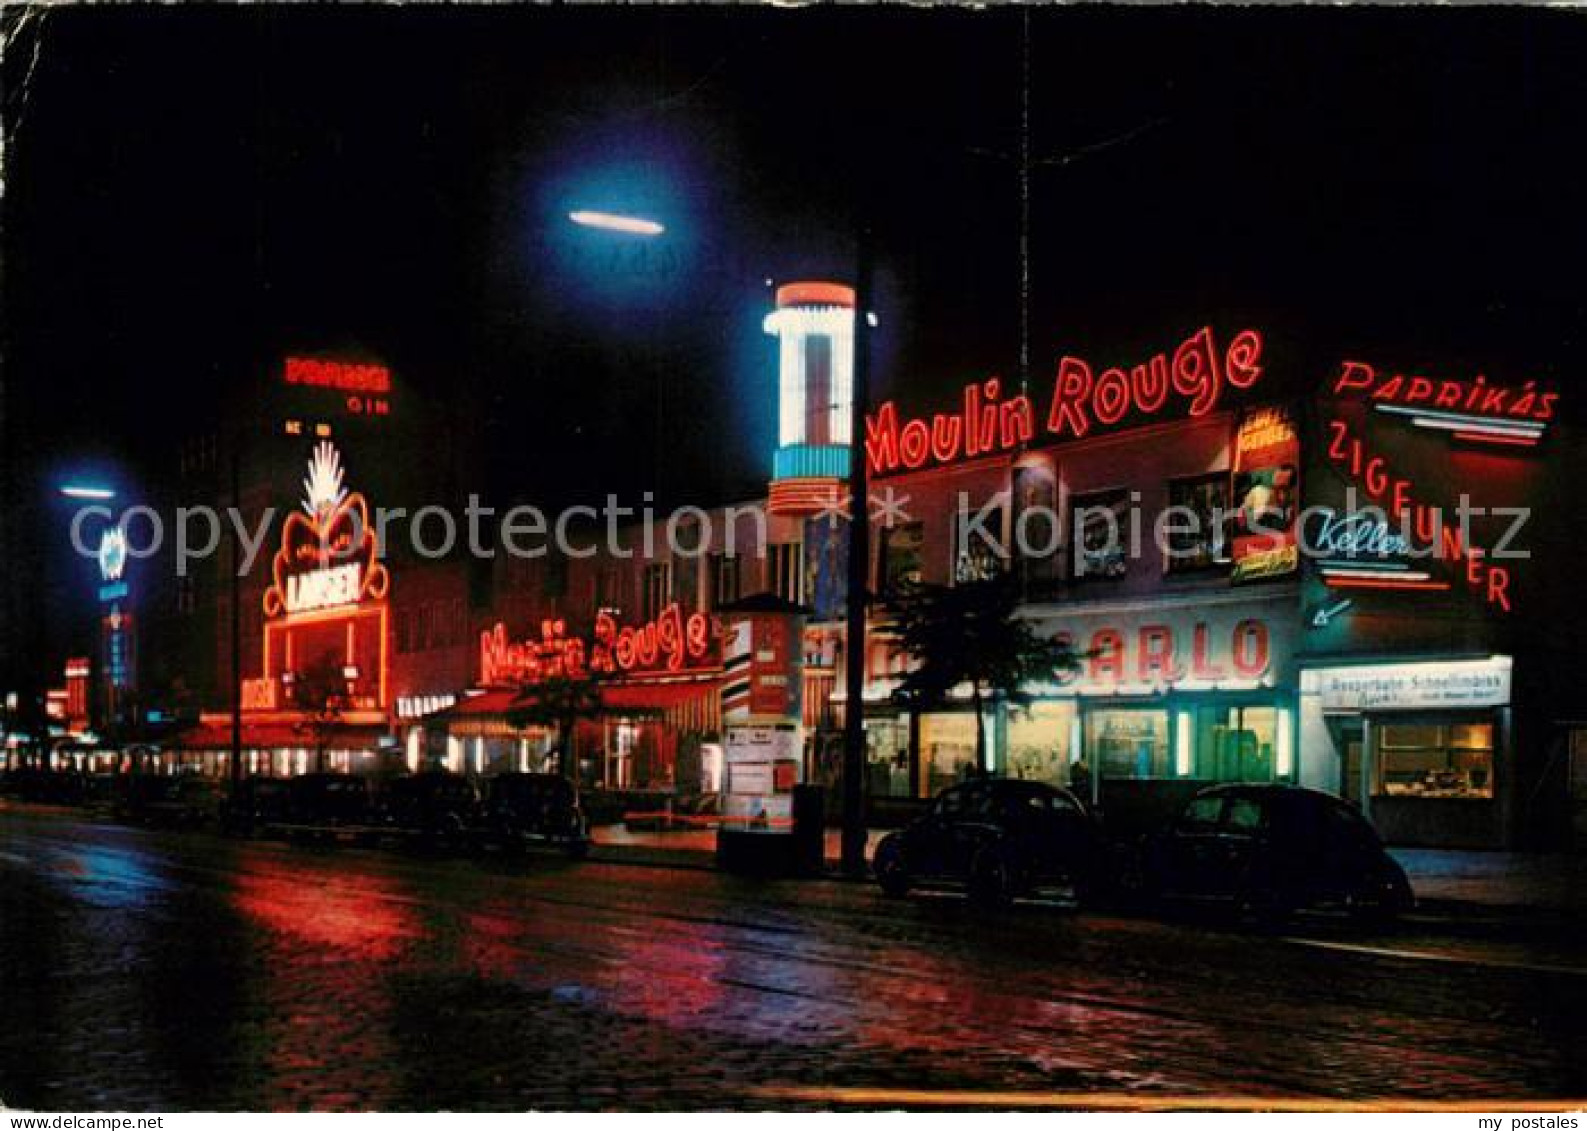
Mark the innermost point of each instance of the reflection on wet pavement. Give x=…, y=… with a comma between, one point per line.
x=147, y=970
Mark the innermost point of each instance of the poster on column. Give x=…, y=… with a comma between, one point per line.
x=763, y=766
x=1266, y=495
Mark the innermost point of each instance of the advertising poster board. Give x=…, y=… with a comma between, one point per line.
x=1266, y=495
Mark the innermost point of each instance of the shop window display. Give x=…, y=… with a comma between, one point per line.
x=1129, y=743
x=1038, y=742
x=947, y=748
x=887, y=757
x=1237, y=744
x=1435, y=760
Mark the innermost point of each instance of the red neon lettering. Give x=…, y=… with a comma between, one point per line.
x=1111, y=397
x=697, y=634
x=1070, y=393
x=1336, y=446
x=986, y=423
x=1376, y=478
x=945, y=437
x=669, y=636
x=1389, y=390
x=1474, y=565
x=344, y=376
x=1448, y=394
x=1241, y=362
x=1016, y=421
x=881, y=438
x=1429, y=524
x=914, y=444
x=1354, y=375
x=1195, y=372
x=1499, y=587
x=1400, y=497
x=1150, y=384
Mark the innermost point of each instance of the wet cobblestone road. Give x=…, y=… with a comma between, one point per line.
x=147, y=970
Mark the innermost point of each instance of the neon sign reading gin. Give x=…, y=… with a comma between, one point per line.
x=987, y=423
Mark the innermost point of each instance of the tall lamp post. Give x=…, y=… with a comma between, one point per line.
x=858, y=596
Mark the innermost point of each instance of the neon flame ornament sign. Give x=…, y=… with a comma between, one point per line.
x=1193, y=377
x=327, y=555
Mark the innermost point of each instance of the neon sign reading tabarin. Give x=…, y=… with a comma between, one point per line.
x=1082, y=399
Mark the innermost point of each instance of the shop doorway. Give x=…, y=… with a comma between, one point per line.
x=1349, y=737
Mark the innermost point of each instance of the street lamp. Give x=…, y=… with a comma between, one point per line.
x=616, y=222
x=87, y=491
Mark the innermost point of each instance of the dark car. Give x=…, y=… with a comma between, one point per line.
x=330, y=805
x=169, y=801
x=436, y=807
x=524, y=809
x=45, y=787
x=256, y=806
x=1271, y=849
x=999, y=838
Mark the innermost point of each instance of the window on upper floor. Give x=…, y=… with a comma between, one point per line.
x=724, y=580
x=786, y=571
x=658, y=589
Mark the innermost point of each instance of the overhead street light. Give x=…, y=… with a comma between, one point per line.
x=84, y=491
x=614, y=222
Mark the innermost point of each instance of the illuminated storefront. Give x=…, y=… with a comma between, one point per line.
x=321, y=699
x=658, y=697
x=1417, y=651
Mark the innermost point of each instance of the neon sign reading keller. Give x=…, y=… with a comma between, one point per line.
x=987, y=423
x=326, y=559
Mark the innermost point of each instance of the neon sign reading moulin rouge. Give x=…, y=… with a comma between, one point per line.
x=327, y=555
x=670, y=643
x=986, y=423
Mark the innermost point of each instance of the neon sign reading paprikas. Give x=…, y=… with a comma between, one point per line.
x=1477, y=410
x=1193, y=377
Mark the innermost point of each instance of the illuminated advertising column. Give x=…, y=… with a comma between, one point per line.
x=814, y=327
x=761, y=711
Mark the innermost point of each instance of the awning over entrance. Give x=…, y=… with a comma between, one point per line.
x=692, y=705
x=685, y=705
x=276, y=736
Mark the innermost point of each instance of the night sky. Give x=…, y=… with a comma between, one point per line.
x=193, y=193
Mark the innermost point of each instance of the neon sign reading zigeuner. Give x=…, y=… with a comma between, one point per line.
x=987, y=422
